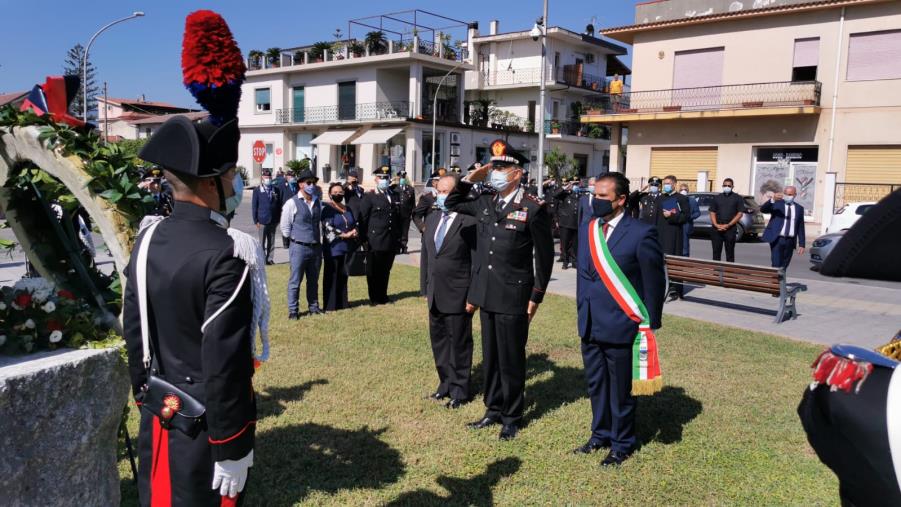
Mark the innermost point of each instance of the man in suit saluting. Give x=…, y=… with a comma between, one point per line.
x=448, y=246
x=619, y=289
x=786, y=228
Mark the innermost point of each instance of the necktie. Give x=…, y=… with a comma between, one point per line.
x=500, y=206
x=442, y=230
x=604, y=229
x=788, y=221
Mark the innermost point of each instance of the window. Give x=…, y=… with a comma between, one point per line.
x=261, y=97
x=347, y=100
x=298, y=104
x=874, y=55
x=807, y=56
x=532, y=106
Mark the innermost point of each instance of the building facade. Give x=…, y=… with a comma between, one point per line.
x=136, y=119
x=794, y=93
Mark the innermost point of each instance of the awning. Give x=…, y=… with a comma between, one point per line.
x=377, y=136
x=337, y=137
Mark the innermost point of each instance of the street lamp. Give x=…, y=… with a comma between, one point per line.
x=84, y=60
x=435, y=107
x=540, y=31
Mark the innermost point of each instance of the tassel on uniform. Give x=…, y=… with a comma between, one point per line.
x=248, y=249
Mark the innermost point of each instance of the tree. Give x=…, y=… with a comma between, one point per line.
x=72, y=66
x=557, y=163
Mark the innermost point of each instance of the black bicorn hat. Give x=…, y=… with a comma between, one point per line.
x=456, y=169
x=503, y=154
x=655, y=181
x=201, y=150
x=382, y=171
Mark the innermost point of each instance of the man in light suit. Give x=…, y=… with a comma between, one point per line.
x=785, y=232
x=448, y=246
x=607, y=333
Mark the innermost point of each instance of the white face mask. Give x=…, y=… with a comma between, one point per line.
x=683, y=192
x=789, y=199
x=499, y=180
x=727, y=190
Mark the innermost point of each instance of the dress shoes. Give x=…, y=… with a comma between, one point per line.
x=508, y=432
x=482, y=423
x=293, y=316
x=616, y=458
x=591, y=446
x=316, y=311
x=436, y=396
x=454, y=403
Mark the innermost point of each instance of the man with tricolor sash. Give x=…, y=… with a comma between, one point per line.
x=620, y=288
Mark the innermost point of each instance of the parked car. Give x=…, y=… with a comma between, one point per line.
x=822, y=246
x=751, y=224
x=845, y=216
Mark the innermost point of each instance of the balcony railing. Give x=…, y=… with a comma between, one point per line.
x=572, y=75
x=371, y=111
x=575, y=128
x=513, y=77
x=711, y=98
x=309, y=55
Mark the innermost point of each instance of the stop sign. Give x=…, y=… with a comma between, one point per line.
x=259, y=152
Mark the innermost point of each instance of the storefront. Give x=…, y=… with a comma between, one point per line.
x=778, y=167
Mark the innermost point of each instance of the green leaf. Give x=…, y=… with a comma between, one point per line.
x=111, y=195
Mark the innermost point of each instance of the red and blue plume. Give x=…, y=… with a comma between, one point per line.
x=212, y=65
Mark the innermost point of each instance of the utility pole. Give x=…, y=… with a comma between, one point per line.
x=542, y=27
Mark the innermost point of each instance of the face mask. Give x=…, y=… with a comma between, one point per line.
x=383, y=184
x=727, y=190
x=601, y=207
x=338, y=198
x=576, y=188
x=439, y=201
x=499, y=180
x=654, y=189
x=667, y=188
x=403, y=181
x=267, y=182
x=683, y=192
x=291, y=180
x=309, y=189
x=232, y=203
x=789, y=199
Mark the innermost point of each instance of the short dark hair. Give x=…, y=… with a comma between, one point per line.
x=181, y=183
x=620, y=182
x=333, y=185
x=671, y=177
x=729, y=180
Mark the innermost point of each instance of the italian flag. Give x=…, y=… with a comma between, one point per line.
x=646, y=377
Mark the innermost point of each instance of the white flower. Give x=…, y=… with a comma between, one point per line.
x=39, y=288
x=29, y=324
x=2, y=306
x=2, y=339
x=56, y=336
x=50, y=307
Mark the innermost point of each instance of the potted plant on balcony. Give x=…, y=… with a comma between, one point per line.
x=273, y=56
x=317, y=52
x=356, y=47
x=376, y=42
x=555, y=127
x=256, y=58
x=672, y=108
x=596, y=131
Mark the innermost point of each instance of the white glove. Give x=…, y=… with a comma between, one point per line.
x=229, y=476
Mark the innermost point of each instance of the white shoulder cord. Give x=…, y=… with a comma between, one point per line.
x=141, y=268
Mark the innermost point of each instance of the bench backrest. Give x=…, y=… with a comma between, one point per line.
x=725, y=274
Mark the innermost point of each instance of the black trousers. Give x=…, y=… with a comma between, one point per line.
x=504, y=338
x=267, y=239
x=334, y=283
x=781, y=251
x=568, y=245
x=608, y=372
x=451, y=336
x=405, y=230
x=378, y=271
x=720, y=238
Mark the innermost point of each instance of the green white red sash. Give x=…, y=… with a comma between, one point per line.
x=646, y=377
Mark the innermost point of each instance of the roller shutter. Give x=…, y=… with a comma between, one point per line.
x=684, y=163
x=873, y=164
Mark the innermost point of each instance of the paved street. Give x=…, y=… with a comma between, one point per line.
x=862, y=312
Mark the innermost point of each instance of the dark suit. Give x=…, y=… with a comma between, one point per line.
x=266, y=207
x=379, y=229
x=407, y=197
x=445, y=275
x=781, y=246
x=515, y=256
x=568, y=220
x=608, y=334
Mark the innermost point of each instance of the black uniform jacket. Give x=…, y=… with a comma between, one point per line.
x=380, y=221
x=200, y=312
x=515, y=253
x=445, y=273
x=567, y=208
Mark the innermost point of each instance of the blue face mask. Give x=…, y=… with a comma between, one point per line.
x=788, y=199
x=232, y=203
x=653, y=189
x=383, y=184
x=267, y=182
x=439, y=201
x=727, y=190
x=403, y=181
x=499, y=180
x=667, y=188
x=309, y=189
x=576, y=188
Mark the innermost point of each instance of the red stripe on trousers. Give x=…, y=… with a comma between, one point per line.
x=228, y=501
x=160, y=480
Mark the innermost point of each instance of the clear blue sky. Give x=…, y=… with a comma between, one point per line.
x=143, y=56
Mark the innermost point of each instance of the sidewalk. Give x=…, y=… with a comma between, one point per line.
x=829, y=312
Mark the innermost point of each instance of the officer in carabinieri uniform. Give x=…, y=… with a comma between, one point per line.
x=514, y=259
x=380, y=232
x=568, y=219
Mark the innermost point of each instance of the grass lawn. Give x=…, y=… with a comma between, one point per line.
x=342, y=419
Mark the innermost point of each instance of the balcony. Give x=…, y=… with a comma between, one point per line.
x=372, y=111
x=560, y=128
x=758, y=99
x=568, y=75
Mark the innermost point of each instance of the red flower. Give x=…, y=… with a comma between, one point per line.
x=23, y=300
x=53, y=325
x=66, y=294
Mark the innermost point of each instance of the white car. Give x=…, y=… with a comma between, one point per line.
x=845, y=216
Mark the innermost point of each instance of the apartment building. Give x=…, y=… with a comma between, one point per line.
x=136, y=118
x=769, y=93
x=579, y=67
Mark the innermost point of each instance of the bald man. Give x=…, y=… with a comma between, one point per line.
x=785, y=232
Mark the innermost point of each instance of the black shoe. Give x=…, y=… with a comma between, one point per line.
x=565, y=265
x=293, y=316
x=672, y=296
x=316, y=311
x=508, y=432
x=591, y=446
x=616, y=458
x=482, y=423
x=560, y=259
x=436, y=396
x=270, y=262
x=454, y=403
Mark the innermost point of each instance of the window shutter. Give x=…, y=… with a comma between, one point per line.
x=807, y=52
x=874, y=55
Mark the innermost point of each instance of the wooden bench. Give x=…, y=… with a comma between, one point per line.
x=729, y=275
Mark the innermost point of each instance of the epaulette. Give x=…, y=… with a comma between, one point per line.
x=248, y=249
